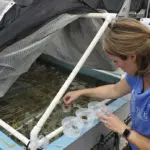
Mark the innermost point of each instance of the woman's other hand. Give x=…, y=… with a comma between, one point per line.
x=112, y=122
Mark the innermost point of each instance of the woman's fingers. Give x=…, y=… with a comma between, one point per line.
x=106, y=112
x=67, y=98
x=70, y=97
x=105, y=116
x=102, y=117
x=104, y=121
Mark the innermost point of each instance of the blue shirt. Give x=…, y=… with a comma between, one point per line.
x=139, y=107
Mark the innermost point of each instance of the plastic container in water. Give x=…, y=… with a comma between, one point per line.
x=72, y=126
x=96, y=107
x=94, y=104
x=86, y=115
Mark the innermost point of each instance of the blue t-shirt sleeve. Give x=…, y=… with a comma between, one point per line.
x=131, y=80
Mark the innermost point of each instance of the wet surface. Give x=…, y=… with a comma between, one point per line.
x=24, y=103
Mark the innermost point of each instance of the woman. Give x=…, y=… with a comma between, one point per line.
x=127, y=43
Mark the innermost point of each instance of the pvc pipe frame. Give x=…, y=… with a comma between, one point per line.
x=18, y=135
x=7, y=127
x=50, y=136
x=148, y=7
x=34, y=143
x=10, y=4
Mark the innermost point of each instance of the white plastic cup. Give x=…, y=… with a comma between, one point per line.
x=72, y=126
x=86, y=115
x=96, y=107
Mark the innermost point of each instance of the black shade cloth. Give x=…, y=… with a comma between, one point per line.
x=26, y=17
x=37, y=14
x=115, y=5
x=31, y=28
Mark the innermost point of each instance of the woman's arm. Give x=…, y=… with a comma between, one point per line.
x=114, y=123
x=111, y=91
x=139, y=141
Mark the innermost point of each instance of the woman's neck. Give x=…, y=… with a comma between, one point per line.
x=146, y=82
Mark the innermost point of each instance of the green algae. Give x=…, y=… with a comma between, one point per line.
x=23, y=107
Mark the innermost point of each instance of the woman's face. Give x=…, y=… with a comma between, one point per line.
x=128, y=65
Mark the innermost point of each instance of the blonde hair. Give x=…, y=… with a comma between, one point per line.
x=127, y=36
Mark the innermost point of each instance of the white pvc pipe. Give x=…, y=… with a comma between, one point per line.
x=124, y=11
x=14, y=132
x=50, y=136
x=148, y=7
x=54, y=133
x=10, y=4
x=35, y=131
x=110, y=73
x=96, y=15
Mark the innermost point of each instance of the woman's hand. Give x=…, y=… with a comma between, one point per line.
x=112, y=122
x=70, y=97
